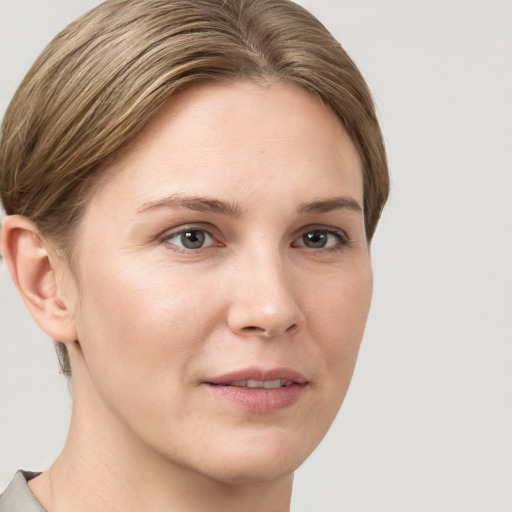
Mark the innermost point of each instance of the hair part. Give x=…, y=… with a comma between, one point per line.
x=105, y=76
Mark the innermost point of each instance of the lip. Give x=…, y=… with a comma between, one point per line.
x=258, y=400
x=259, y=374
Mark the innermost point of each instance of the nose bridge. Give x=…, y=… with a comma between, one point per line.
x=265, y=302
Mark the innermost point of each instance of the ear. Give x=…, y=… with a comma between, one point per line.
x=33, y=266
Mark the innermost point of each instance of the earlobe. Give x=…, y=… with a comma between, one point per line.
x=33, y=269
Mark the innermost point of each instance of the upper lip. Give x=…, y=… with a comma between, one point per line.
x=259, y=375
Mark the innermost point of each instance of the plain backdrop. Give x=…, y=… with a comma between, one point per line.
x=427, y=423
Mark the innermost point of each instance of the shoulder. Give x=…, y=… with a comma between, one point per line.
x=18, y=497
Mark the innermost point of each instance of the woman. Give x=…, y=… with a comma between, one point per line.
x=191, y=188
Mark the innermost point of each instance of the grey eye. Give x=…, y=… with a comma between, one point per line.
x=193, y=239
x=316, y=239
x=190, y=239
x=321, y=239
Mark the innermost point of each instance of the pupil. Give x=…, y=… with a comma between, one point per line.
x=315, y=239
x=192, y=239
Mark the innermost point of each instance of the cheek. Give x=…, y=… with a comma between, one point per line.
x=337, y=319
x=142, y=334
x=135, y=322
x=340, y=303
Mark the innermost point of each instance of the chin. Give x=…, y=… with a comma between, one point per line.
x=259, y=458
x=252, y=472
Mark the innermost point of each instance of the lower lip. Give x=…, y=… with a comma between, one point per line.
x=259, y=400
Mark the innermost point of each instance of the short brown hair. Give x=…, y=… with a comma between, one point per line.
x=102, y=79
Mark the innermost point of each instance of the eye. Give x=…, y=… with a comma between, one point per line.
x=321, y=239
x=190, y=239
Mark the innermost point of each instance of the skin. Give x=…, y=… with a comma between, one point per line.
x=154, y=319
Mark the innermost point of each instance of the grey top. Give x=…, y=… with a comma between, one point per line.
x=18, y=497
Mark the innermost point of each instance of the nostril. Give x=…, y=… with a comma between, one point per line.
x=292, y=329
x=253, y=328
x=267, y=333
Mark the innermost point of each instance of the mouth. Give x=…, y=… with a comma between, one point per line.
x=254, y=384
x=259, y=391
x=259, y=378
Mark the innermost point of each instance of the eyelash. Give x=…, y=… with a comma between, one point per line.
x=166, y=237
x=341, y=237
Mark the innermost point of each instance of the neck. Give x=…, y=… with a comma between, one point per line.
x=104, y=466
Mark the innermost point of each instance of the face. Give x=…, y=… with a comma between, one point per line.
x=223, y=281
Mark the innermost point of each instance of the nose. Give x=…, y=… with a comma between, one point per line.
x=265, y=300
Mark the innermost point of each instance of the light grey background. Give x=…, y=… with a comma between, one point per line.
x=427, y=424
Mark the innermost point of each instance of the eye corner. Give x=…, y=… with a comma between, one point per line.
x=322, y=238
x=189, y=239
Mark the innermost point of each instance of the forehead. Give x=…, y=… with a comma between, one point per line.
x=243, y=137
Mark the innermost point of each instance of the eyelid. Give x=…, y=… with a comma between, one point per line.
x=211, y=231
x=339, y=233
x=170, y=233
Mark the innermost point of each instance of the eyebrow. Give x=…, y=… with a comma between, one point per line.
x=207, y=204
x=330, y=204
x=197, y=203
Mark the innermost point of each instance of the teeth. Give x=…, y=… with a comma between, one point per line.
x=255, y=383
x=267, y=384
x=272, y=384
